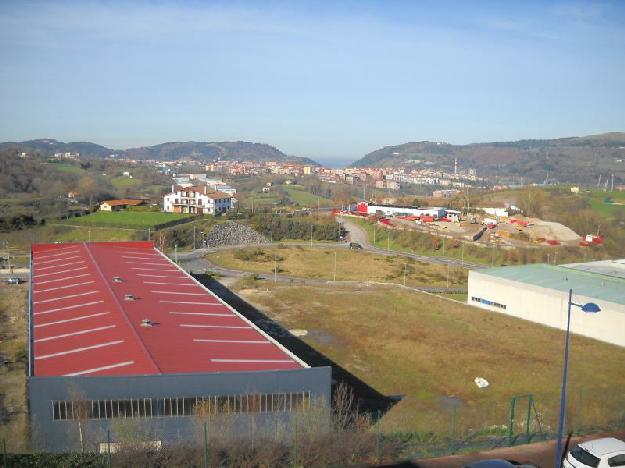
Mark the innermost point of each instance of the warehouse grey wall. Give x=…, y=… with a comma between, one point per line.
x=57, y=436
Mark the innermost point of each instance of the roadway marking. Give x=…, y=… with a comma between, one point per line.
x=194, y=303
x=98, y=369
x=170, y=284
x=38, y=256
x=152, y=269
x=75, y=306
x=251, y=360
x=181, y=293
x=62, y=279
x=60, y=298
x=201, y=340
x=79, y=350
x=188, y=325
x=59, y=272
x=81, y=332
x=149, y=263
x=140, y=258
x=56, y=260
x=203, y=314
x=157, y=276
x=82, y=317
x=61, y=265
x=63, y=287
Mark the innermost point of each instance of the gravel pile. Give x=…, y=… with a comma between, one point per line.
x=231, y=233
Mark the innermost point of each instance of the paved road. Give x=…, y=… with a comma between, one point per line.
x=197, y=264
x=357, y=234
x=540, y=454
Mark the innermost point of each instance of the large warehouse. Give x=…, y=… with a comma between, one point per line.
x=539, y=293
x=119, y=332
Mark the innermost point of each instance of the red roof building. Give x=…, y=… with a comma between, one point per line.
x=135, y=336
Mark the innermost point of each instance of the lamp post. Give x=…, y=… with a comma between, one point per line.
x=590, y=308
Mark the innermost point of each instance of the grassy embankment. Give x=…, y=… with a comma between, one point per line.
x=430, y=350
x=318, y=263
x=126, y=219
x=13, y=347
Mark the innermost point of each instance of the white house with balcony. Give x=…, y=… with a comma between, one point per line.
x=196, y=200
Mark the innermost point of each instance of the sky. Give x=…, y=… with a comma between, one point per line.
x=328, y=80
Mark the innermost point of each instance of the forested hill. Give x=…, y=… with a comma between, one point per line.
x=206, y=151
x=576, y=159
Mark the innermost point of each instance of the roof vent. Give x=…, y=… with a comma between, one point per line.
x=129, y=297
x=117, y=279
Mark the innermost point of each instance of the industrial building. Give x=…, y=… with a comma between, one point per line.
x=435, y=212
x=119, y=333
x=539, y=293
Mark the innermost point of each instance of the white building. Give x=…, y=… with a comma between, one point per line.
x=196, y=200
x=539, y=293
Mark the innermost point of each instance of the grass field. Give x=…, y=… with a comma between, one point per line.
x=296, y=194
x=600, y=202
x=318, y=263
x=301, y=196
x=126, y=219
x=14, y=326
x=429, y=350
x=124, y=182
x=65, y=167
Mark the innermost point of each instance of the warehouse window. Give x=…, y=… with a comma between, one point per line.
x=179, y=406
x=487, y=302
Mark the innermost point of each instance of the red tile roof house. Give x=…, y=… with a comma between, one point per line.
x=118, y=331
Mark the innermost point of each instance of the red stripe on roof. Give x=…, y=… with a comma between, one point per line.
x=83, y=324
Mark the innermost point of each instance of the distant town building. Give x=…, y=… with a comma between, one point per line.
x=67, y=155
x=196, y=200
x=118, y=205
x=450, y=193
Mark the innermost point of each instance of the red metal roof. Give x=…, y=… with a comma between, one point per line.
x=84, y=325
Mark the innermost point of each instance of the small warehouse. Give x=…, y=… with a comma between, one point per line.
x=539, y=292
x=118, y=332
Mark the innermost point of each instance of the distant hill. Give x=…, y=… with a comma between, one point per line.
x=575, y=159
x=208, y=151
x=50, y=146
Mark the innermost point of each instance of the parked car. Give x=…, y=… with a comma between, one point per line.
x=355, y=246
x=14, y=280
x=599, y=453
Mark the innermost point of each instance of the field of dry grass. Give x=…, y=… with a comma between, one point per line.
x=351, y=265
x=429, y=350
x=13, y=348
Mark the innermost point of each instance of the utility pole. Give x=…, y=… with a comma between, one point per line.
x=462, y=254
x=275, y=270
x=176, y=253
x=612, y=186
x=448, y=275
x=335, y=265
x=89, y=235
x=148, y=233
x=405, y=267
x=194, y=237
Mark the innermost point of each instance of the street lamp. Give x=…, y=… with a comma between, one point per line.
x=590, y=308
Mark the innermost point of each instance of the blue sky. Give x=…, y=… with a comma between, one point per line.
x=329, y=80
